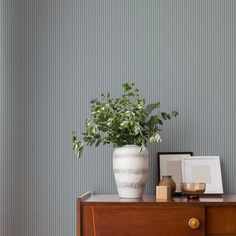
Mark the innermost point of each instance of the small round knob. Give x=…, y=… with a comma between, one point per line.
x=194, y=223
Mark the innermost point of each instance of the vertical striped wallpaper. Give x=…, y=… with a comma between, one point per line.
x=55, y=55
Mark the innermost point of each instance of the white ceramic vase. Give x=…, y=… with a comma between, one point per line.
x=130, y=168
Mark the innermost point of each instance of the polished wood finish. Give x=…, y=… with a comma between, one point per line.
x=88, y=228
x=78, y=217
x=206, y=200
x=146, y=220
x=79, y=212
x=105, y=215
x=221, y=220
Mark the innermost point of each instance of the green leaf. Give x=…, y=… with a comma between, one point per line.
x=155, y=120
x=175, y=113
x=73, y=139
x=105, y=142
x=97, y=143
x=131, y=94
x=127, y=87
x=93, y=101
x=164, y=115
x=151, y=107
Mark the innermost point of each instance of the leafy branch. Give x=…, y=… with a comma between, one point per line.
x=121, y=121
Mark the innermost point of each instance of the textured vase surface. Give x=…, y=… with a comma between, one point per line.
x=130, y=168
x=167, y=180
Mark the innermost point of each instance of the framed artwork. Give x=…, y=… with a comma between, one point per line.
x=203, y=169
x=169, y=163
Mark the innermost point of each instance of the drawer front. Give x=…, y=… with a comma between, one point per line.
x=221, y=221
x=143, y=220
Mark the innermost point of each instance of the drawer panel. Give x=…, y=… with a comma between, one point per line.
x=144, y=220
x=221, y=221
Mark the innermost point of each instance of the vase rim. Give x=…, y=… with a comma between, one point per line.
x=166, y=176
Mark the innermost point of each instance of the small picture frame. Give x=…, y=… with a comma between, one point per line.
x=203, y=169
x=169, y=163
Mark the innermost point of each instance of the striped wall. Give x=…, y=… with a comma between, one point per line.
x=55, y=55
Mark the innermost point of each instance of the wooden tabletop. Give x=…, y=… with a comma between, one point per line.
x=90, y=198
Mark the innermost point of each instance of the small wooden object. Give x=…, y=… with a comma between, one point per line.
x=163, y=193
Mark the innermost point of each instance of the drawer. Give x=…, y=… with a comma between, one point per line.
x=221, y=221
x=141, y=220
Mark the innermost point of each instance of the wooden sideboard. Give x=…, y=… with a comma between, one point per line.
x=109, y=215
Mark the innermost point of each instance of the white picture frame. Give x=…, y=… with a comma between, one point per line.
x=203, y=169
x=170, y=164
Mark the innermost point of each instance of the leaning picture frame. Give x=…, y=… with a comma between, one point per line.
x=203, y=169
x=169, y=163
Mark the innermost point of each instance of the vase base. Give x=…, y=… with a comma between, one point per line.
x=127, y=194
x=131, y=197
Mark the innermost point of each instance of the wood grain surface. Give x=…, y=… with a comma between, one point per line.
x=108, y=215
x=221, y=220
x=140, y=221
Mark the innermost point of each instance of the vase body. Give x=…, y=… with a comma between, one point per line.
x=168, y=181
x=130, y=167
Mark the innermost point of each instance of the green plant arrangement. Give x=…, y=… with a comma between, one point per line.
x=125, y=120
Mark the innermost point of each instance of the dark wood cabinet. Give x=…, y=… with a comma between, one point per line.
x=106, y=215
